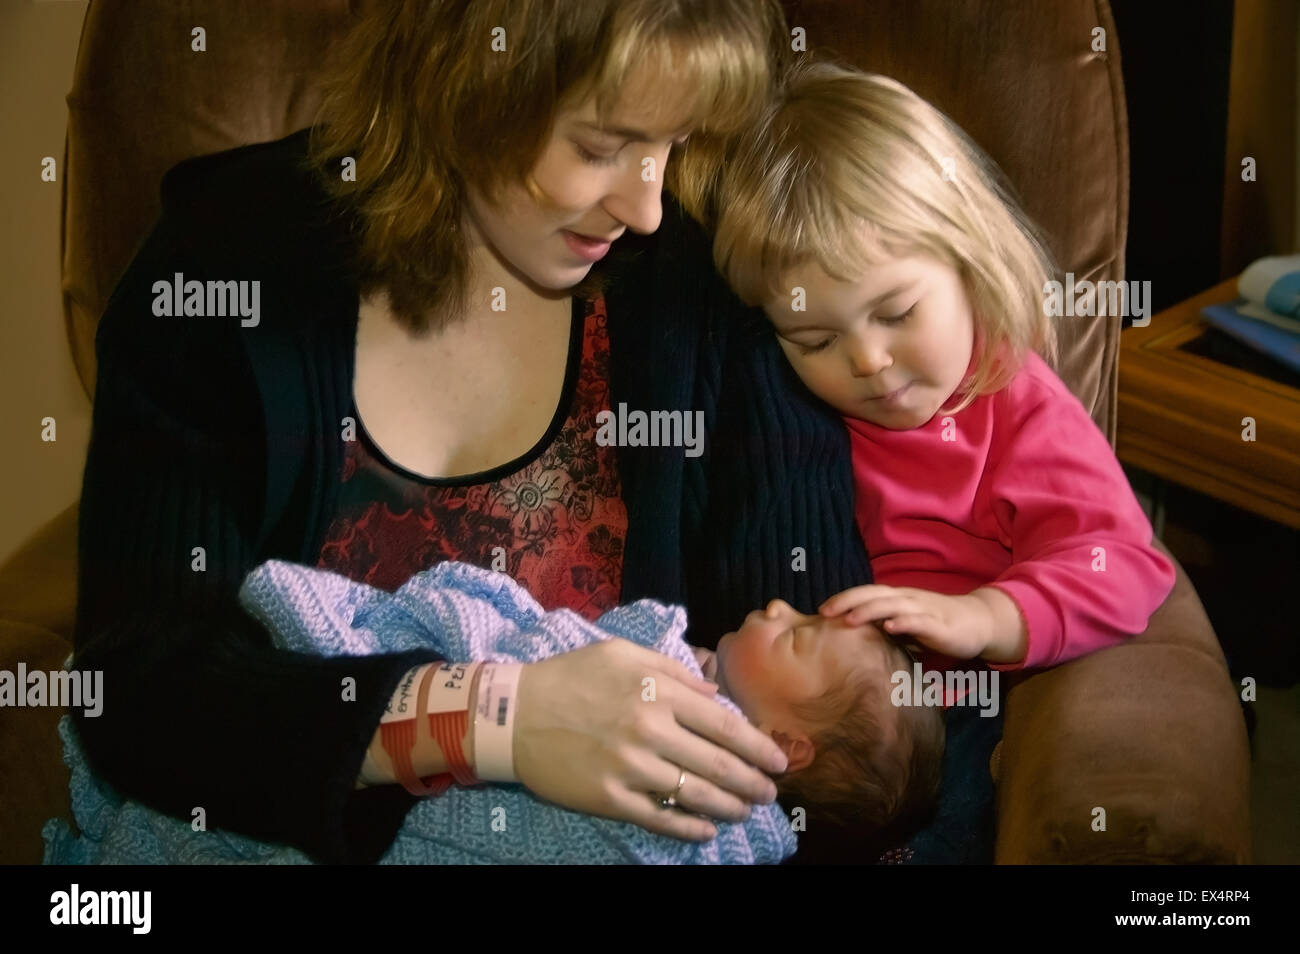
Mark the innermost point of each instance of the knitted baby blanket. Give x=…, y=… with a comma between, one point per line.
x=465, y=613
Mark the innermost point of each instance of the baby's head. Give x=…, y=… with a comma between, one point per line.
x=821, y=689
x=900, y=275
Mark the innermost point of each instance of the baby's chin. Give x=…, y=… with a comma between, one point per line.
x=725, y=691
x=720, y=677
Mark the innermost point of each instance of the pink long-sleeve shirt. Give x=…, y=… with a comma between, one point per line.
x=1020, y=491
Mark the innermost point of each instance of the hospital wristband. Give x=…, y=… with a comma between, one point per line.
x=494, y=721
x=448, y=707
x=397, y=732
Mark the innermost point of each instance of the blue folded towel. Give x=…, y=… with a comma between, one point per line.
x=464, y=613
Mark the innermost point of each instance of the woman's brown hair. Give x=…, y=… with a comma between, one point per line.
x=419, y=98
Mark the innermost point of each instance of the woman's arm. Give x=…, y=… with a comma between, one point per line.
x=200, y=712
x=412, y=694
x=588, y=737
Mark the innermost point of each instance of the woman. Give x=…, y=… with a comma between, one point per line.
x=422, y=383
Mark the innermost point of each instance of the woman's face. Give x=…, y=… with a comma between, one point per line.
x=599, y=183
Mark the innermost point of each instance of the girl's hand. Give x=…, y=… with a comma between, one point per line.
x=958, y=626
x=599, y=729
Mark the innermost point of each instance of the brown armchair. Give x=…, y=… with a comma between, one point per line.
x=1151, y=731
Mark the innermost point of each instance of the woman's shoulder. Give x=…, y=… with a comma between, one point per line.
x=676, y=259
x=667, y=280
x=218, y=282
x=256, y=200
x=242, y=174
x=676, y=230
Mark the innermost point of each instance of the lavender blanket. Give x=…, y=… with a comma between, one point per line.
x=464, y=613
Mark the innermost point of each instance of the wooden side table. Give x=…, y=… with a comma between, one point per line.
x=1181, y=411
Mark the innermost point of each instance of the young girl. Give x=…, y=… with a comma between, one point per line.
x=906, y=289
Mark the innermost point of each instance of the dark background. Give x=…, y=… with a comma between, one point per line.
x=1176, y=61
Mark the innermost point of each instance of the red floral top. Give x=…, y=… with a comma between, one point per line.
x=553, y=519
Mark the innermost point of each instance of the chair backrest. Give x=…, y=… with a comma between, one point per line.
x=1023, y=79
x=143, y=100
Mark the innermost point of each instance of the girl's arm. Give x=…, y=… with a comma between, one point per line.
x=1084, y=574
x=1008, y=636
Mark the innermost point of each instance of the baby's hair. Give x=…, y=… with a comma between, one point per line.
x=846, y=168
x=877, y=767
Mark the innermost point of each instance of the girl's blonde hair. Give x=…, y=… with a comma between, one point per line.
x=422, y=97
x=848, y=167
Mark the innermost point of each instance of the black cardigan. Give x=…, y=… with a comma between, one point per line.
x=213, y=435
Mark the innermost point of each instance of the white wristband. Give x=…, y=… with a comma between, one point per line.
x=494, y=722
x=449, y=690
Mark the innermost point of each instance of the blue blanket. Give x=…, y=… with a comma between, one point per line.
x=465, y=613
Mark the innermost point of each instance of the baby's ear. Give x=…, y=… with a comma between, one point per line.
x=799, y=749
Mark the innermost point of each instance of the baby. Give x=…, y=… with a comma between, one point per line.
x=821, y=687
x=907, y=290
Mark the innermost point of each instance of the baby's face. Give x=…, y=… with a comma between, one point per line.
x=780, y=657
x=889, y=348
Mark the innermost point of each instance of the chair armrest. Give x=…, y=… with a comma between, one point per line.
x=38, y=602
x=38, y=584
x=35, y=785
x=1151, y=731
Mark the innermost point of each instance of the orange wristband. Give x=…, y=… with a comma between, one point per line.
x=447, y=705
x=448, y=710
x=397, y=731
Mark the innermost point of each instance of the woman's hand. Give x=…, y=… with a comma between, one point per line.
x=599, y=729
x=958, y=626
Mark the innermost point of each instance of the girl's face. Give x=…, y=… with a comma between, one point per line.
x=889, y=348
x=596, y=182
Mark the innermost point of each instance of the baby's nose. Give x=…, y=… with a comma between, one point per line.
x=777, y=608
